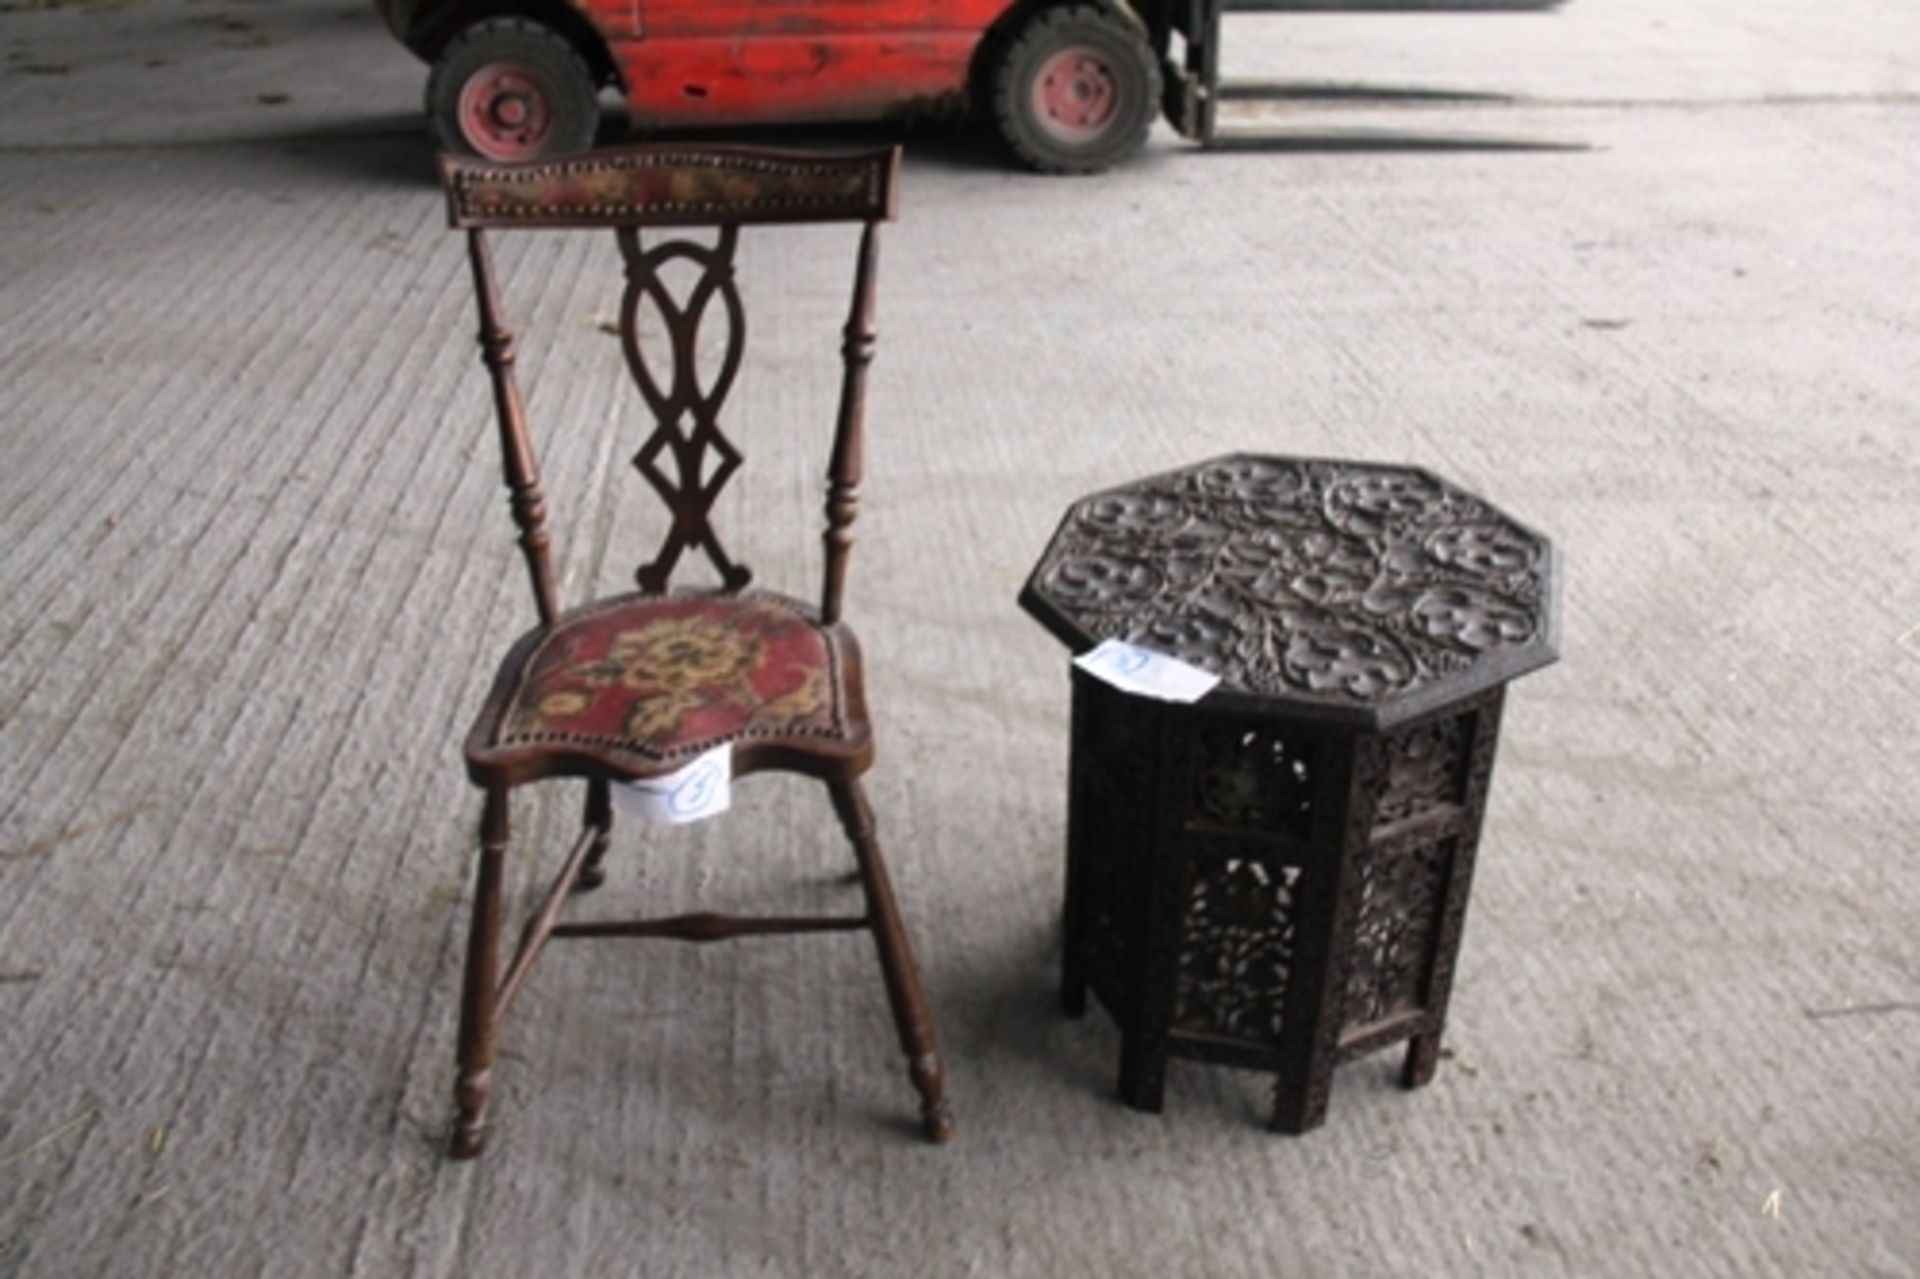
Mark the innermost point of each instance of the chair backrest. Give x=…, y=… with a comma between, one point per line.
x=636, y=189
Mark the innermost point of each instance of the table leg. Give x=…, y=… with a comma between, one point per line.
x=1143, y=1071
x=1073, y=966
x=1301, y=1105
x=1423, y=1058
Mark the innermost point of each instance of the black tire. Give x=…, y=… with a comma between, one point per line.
x=510, y=89
x=1076, y=90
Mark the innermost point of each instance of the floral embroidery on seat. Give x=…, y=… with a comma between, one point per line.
x=679, y=663
x=666, y=676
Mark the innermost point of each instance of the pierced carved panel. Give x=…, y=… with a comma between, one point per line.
x=1334, y=582
x=1424, y=769
x=1253, y=780
x=1397, y=908
x=687, y=459
x=1236, y=950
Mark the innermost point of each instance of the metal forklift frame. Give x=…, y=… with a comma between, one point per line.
x=1193, y=90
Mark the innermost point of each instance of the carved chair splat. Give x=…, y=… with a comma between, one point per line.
x=635, y=685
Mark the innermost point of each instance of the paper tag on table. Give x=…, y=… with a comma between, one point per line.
x=1133, y=669
x=699, y=790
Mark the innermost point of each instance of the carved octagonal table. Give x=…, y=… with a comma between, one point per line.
x=1275, y=876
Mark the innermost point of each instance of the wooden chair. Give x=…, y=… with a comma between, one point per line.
x=636, y=685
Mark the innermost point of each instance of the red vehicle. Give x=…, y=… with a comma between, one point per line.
x=1072, y=85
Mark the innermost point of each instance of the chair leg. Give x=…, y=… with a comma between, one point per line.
x=909, y=1002
x=480, y=992
x=599, y=818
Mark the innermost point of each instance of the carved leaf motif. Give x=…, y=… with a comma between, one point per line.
x=1399, y=909
x=1485, y=550
x=1103, y=582
x=1363, y=663
x=1340, y=581
x=1206, y=640
x=1263, y=482
x=1133, y=513
x=1472, y=619
x=1253, y=780
x=1425, y=767
x=1236, y=948
x=1375, y=502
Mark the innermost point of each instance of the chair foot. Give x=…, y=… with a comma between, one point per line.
x=470, y=1127
x=936, y=1116
x=911, y=1017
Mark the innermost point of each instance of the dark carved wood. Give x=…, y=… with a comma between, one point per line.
x=1357, y=593
x=688, y=459
x=1276, y=877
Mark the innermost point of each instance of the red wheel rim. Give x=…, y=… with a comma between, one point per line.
x=506, y=111
x=1075, y=94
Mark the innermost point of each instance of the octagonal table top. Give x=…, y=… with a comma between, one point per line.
x=1344, y=591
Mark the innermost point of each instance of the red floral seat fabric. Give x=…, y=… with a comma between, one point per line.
x=668, y=677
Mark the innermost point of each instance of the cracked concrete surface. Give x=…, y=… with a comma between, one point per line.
x=255, y=566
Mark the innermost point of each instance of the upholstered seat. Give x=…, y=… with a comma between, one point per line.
x=640, y=684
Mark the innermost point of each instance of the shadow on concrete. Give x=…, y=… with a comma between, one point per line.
x=1348, y=94
x=387, y=151
x=943, y=145
x=1398, y=101
x=1338, y=141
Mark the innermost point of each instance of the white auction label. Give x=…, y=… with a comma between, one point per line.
x=1134, y=669
x=699, y=790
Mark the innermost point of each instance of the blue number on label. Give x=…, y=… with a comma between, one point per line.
x=1127, y=661
x=692, y=795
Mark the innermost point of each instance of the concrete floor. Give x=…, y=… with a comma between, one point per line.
x=255, y=567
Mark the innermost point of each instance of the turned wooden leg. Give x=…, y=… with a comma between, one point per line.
x=909, y=1002
x=480, y=993
x=599, y=819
